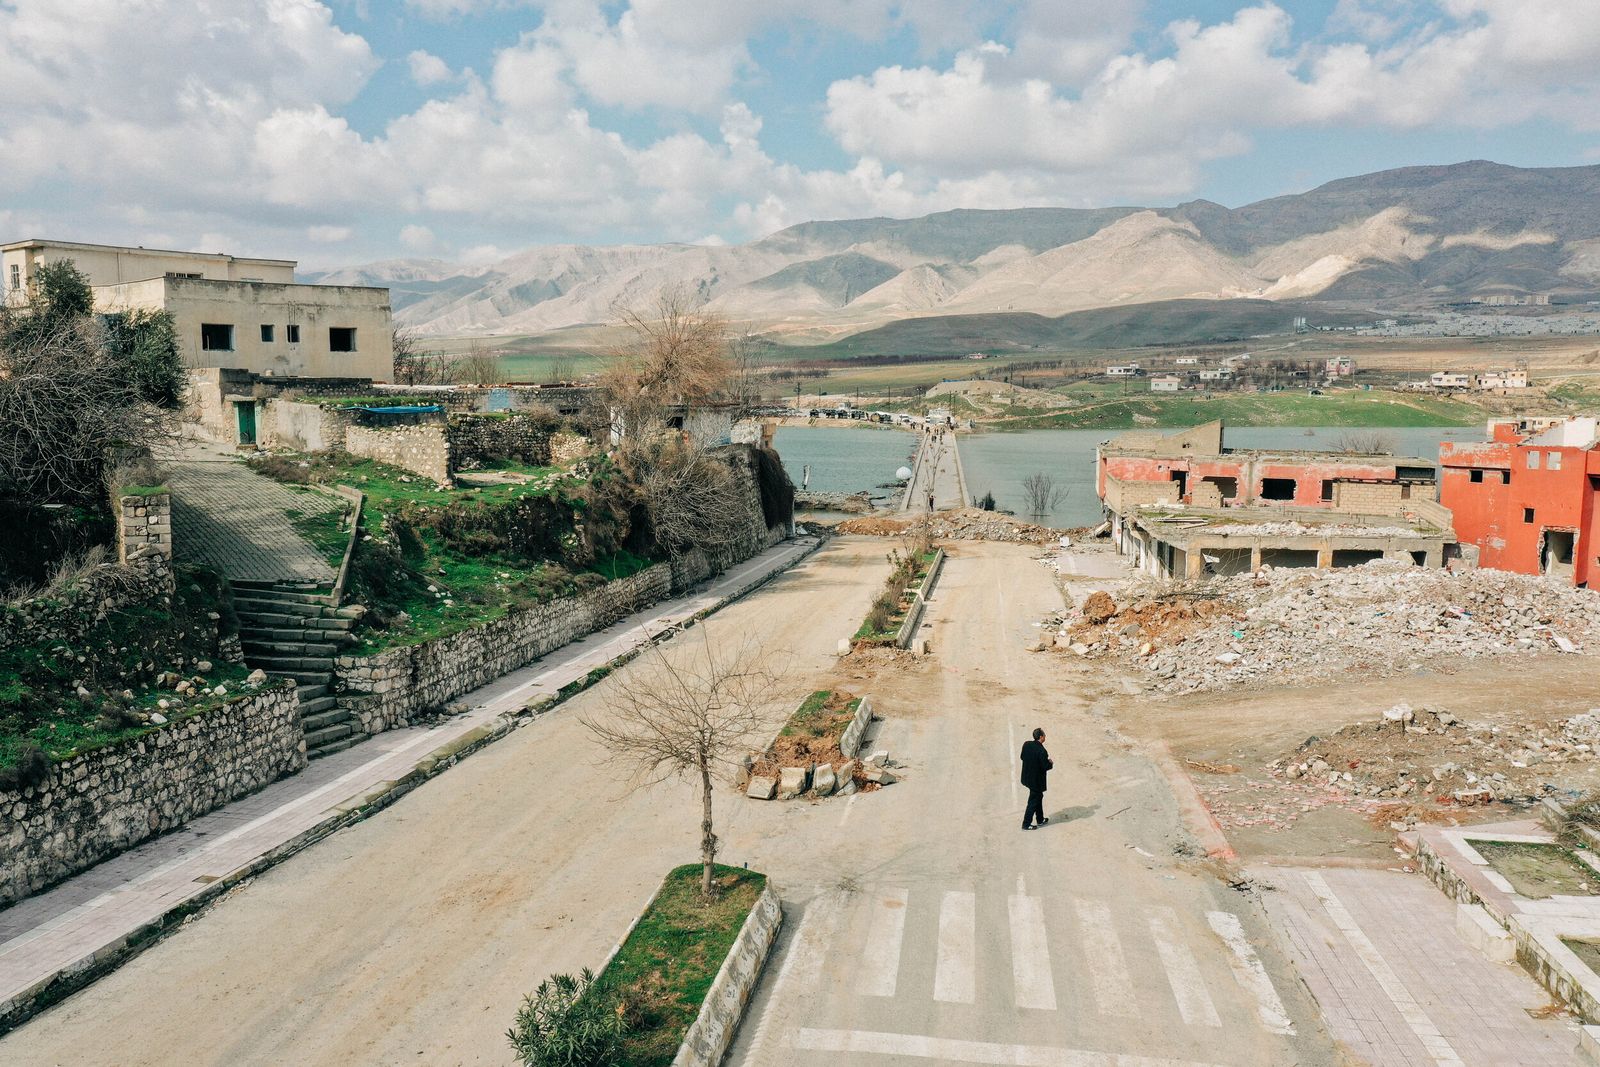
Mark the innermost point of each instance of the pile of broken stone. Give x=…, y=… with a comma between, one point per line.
x=819, y=780
x=1416, y=753
x=1316, y=624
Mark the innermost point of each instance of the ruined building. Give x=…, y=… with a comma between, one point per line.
x=1528, y=496
x=1182, y=505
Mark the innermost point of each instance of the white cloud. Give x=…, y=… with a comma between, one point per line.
x=329, y=235
x=428, y=69
x=416, y=238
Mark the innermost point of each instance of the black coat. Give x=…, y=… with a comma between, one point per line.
x=1036, y=764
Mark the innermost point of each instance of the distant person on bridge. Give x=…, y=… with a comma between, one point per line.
x=1036, y=764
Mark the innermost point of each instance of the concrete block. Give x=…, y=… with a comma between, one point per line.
x=762, y=787
x=824, y=782
x=792, y=782
x=844, y=646
x=878, y=758
x=881, y=775
x=1589, y=1043
x=1477, y=928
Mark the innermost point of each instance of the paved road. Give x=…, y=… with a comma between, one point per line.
x=936, y=470
x=410, y=938
x=925, y=927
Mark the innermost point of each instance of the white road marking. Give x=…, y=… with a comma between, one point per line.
x=1417, y=1019
x=845, y=814
x=879, y=972
x=954, y=975
x=1011, y=769
x=802, y=967
x=951, y=1050
x=1108, y=971
x=1030, y=955
x=1183, y=973
x=1248, y=969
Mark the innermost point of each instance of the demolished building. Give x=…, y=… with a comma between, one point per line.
x=1182, y=505
x=1527, y=497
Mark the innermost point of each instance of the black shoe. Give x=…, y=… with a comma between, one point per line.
x=1043, y=820
x=1025, y=826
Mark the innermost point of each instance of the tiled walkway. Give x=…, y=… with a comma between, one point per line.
x=1397, y=986
x=96, y=914
x=226, y=516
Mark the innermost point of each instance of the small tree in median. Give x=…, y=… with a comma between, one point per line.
x=568, y=1022
x=689, y=717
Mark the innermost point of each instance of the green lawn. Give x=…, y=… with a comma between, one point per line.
x=664, y=969
x=813, y=718
x=1106, y=406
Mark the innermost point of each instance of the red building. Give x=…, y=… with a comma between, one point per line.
x=1528, y=496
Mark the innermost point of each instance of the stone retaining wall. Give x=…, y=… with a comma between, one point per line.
x=144, y=534
x=97, y=804
x=423, y=450
x=712, y=1031
x=478, y=438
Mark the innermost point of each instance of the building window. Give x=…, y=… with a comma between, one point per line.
x=1327, y=489
x=1475, y=475
x=16, y=276
x=341, y=338
x=1527, y=515
x=216, y=337
x=1552, y=461
x=291, y=333
x=1533, y=461
x=1277, y=489
x=267, y=330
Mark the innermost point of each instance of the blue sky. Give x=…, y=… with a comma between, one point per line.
x=353, y=130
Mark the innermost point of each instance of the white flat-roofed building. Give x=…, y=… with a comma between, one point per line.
x=228, y=311
x=1165, y=383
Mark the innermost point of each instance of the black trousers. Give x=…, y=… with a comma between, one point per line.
x=1035, y=809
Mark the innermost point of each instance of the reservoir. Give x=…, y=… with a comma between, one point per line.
x=850, y=459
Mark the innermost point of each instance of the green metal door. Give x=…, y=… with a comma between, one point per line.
x=247, y=423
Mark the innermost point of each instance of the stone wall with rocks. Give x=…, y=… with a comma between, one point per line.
x=144, y=534
x=423, y=450
x=479, y=438
x=567, y=447
x=99, y=803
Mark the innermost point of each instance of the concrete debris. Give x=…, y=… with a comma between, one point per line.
x=879, y=775
x=824, y=782
x=1381, y=617
x=965, y=524
x=1098, y=607
x=792, y=781
x=762, y=788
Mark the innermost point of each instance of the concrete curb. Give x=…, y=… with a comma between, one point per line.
x=712, y=1031
x=919, y=604
x=850, y=741
x=111, y=955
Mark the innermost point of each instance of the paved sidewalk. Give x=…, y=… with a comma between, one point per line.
x=224, y=515
x=59, y=940
x=1397, y=986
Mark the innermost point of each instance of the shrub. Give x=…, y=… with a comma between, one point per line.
x=31, y=768
x=568, y=1022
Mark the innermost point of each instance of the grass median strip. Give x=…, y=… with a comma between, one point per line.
x=639, y=1008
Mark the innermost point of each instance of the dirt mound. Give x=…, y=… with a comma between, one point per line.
x=966, y=524
x=1099, y=607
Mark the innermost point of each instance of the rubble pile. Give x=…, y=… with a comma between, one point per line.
x=1383, y=616
x=966, y=524
x=1416, y=753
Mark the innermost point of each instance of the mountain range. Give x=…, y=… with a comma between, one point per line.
x=1400, y=239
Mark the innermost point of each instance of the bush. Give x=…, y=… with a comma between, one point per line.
x=31, y=768
x=569, y=1022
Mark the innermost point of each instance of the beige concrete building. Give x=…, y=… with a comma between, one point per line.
x=229, y=312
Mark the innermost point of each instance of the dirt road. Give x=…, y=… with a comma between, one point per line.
x=411, y=937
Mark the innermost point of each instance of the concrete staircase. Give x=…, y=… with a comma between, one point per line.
x=295, y=633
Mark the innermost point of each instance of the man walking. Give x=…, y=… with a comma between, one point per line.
x=1036, y=764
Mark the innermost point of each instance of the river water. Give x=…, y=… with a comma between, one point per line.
x=850, y=459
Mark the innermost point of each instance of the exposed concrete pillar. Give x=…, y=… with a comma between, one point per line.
x=1255, y=558
x=1197, y=563
x=1325, y=556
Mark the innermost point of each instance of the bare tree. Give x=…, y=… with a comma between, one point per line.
x=688, y=716
x=1042, y=493
x=480, y=365
x=1366, y=442
x=413, y=365
x=563, y=368
x=693, y=498
x=679, y=356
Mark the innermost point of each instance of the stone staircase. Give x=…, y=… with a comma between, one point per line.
x=296, y=633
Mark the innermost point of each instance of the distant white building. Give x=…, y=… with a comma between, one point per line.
x=1123, y=370
x=1187, y=361
x=1503, y=379
x=1442, y=379
x=1165, y=383
x=1339, y=367
x=1217, y=374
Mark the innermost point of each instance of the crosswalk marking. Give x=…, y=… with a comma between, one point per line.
x=1248, y=970
x=1417, y=1019
x=954, y=1050
x=1183, y=973
x=954, y=977
x=1030, y=955
x=1108, y=971
x=879, y=973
